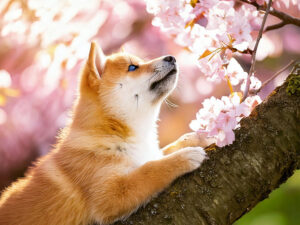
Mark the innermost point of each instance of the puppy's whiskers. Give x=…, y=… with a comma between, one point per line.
x=170, y=104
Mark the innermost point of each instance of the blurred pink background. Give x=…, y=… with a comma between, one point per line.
x=44, y=44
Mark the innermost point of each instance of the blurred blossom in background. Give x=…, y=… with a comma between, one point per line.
x=43, y=45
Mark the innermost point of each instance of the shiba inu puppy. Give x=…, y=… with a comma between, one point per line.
x=107, y=161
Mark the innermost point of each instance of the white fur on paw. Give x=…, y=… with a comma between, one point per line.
x=194, y=155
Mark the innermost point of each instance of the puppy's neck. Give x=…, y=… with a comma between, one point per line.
x=91, y=124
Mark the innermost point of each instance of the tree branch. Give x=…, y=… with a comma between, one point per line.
x=287, y=19
x=254, y=92
x=252, y=68
x=275, y=26
x=236, y=177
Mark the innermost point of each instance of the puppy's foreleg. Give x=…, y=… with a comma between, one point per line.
x=121, y=195
x=188, y=140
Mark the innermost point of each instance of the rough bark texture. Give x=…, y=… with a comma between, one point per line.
x=236, y=177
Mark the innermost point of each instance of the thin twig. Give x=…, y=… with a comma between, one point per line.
x=274, y=12
x=285, y=17
x=275, y=26
x=254, y=92
x=245, y=94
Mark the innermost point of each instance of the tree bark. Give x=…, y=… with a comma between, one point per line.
x=236, y=177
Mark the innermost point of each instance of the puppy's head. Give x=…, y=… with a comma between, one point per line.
x=126, y=85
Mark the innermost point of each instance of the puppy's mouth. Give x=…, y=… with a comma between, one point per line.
x=162, y=81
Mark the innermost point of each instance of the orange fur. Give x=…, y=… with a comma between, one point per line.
x=188, y=140
x=89, y=175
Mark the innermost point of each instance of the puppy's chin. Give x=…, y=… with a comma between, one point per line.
x=163, y=87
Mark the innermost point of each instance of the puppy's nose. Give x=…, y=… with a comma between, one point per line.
x=169, y=59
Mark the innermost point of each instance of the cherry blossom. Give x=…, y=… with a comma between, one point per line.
x=219, y=117
x=235, y=72
x=217, y=31
x=255, y=84
x=204, y=28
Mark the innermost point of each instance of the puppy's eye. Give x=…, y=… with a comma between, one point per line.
x=132, y=67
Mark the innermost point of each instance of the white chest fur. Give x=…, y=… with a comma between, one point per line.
x=142, y=151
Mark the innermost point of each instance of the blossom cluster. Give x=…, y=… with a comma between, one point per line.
x=210, y=29
x=219, y=117
x=215, y=31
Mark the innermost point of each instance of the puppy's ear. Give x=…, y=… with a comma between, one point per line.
x=96, y=60
x=94, y=69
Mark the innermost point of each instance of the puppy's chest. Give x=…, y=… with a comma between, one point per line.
x=140, y=152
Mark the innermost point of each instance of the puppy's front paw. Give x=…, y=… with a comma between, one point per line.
x=193, y=155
